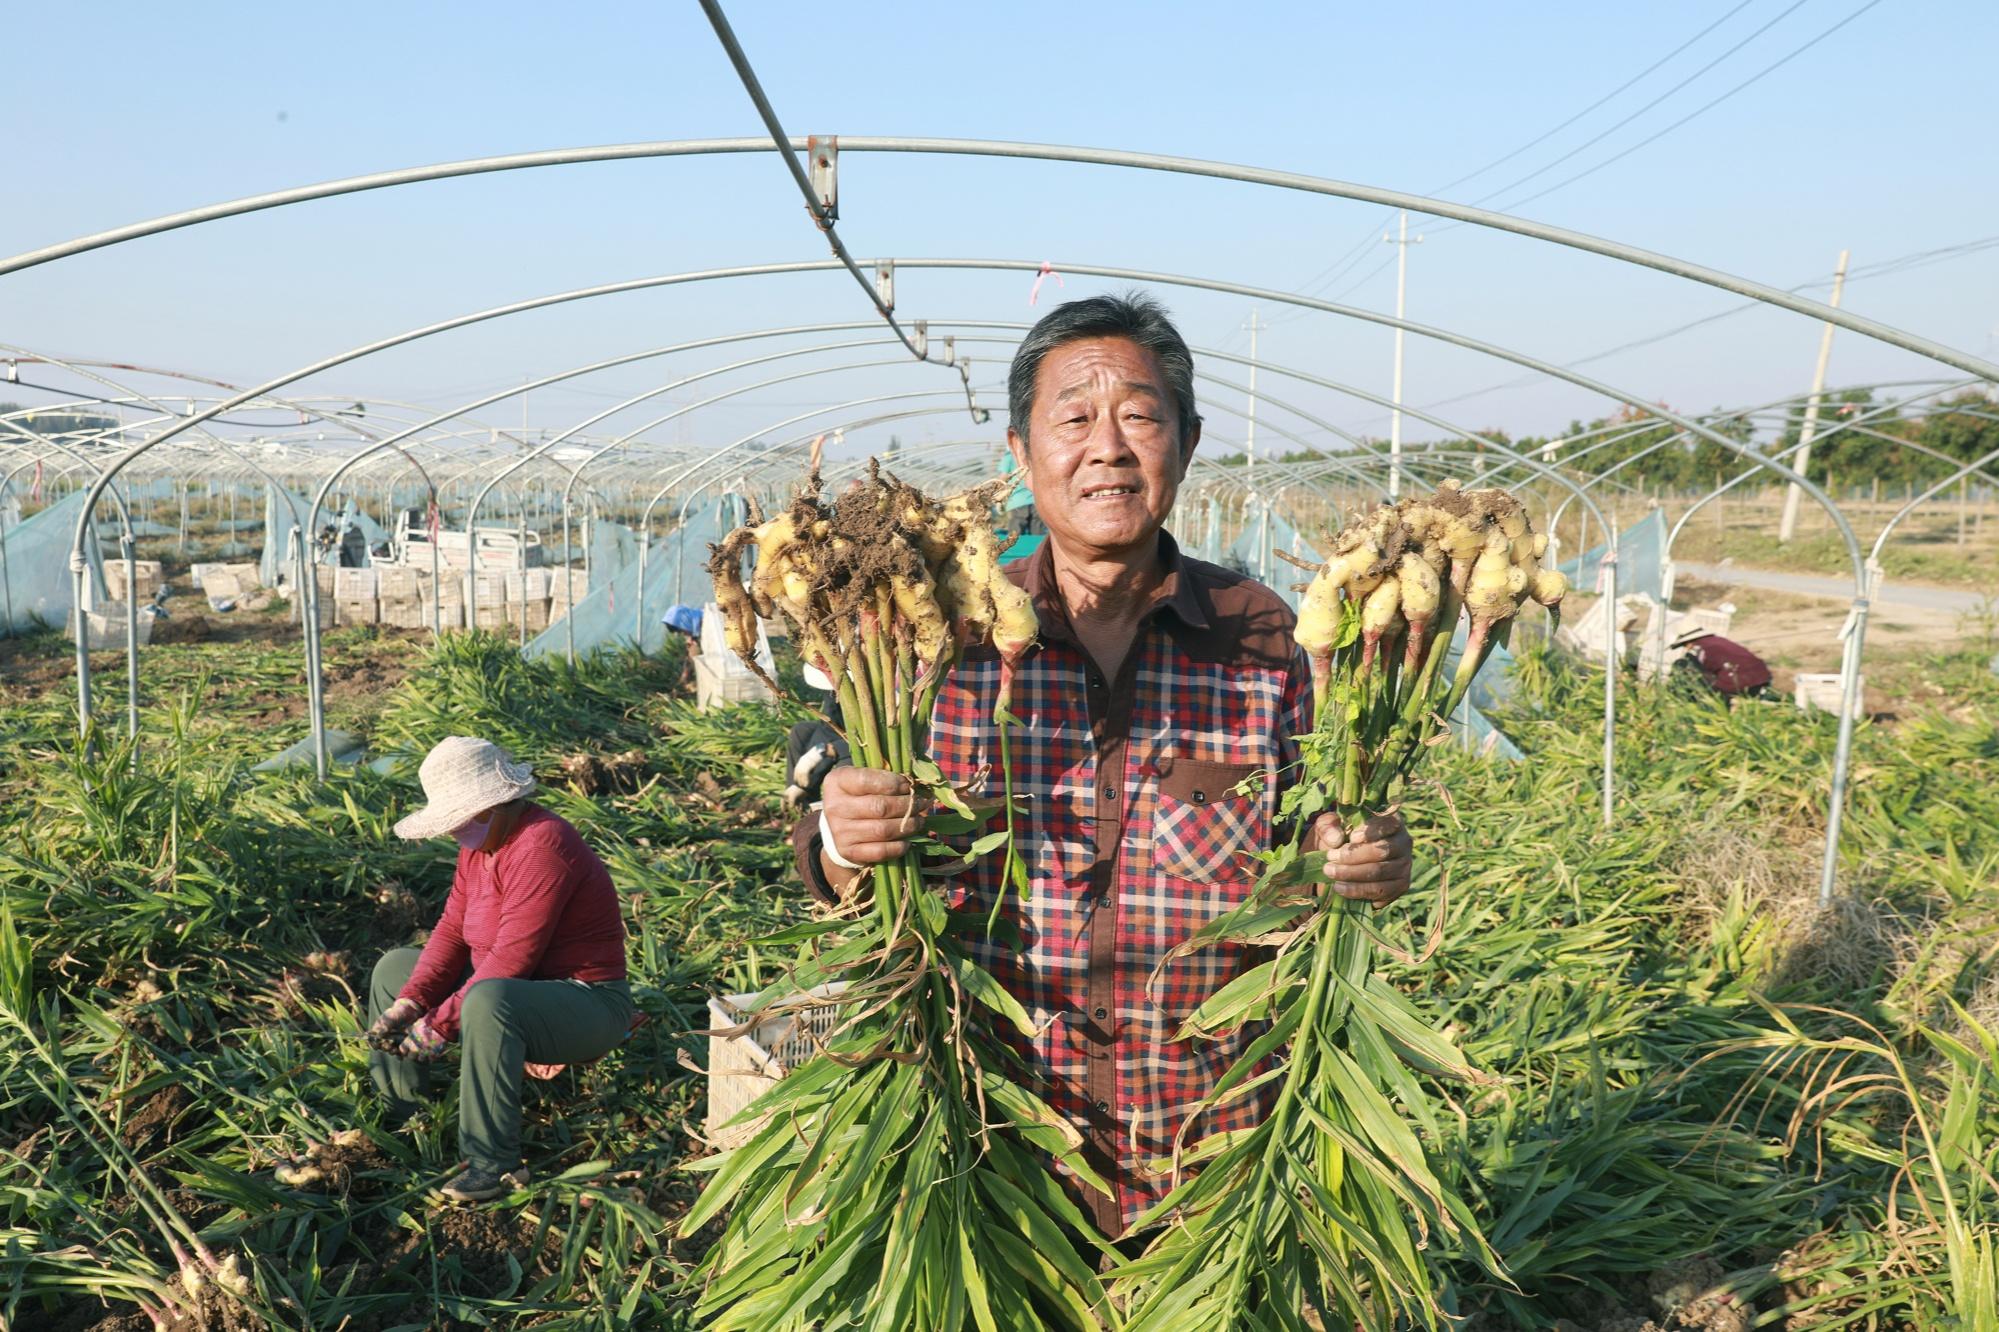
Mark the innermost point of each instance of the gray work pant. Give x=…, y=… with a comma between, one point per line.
x=503, y=1025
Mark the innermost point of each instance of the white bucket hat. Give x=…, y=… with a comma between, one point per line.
x=462, y=778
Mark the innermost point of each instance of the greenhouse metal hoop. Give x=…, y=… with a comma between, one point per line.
x=1185, y=166
x=132, y=641
x=677, y=412
x=1879, y=575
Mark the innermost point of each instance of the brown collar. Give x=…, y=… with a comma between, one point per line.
x=1179, y=591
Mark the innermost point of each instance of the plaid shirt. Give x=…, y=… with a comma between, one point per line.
x=1134, y=837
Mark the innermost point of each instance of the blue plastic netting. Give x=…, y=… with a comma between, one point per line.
x=1641, y=560
x=675, y=571
x=277, y=557
x=36, y=586
x=1255, y=553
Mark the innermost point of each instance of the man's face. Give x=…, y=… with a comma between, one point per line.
x=1103, y=454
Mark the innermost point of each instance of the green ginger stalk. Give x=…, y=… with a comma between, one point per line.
x=898, y=1180
x=1330, y=1201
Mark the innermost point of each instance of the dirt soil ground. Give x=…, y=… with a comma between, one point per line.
x=1801, y=632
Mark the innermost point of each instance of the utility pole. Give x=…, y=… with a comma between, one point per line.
x=1249, y=438
x=1401, y=242
x=1803, y=458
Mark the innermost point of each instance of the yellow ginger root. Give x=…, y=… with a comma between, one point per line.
x=1382, y=609
x=1014, y=622
x=916, y=602
x=1488, y=596
x=739, y=616
x=1420, y=588
x=231, y=1277
x=1319, y=615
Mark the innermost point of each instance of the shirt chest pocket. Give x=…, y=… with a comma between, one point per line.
x=1209, y=822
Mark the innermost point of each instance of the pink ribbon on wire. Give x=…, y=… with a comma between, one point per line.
x=36, y=493
x=1047, y=271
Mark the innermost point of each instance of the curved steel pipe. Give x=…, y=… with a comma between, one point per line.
x=1188, y=166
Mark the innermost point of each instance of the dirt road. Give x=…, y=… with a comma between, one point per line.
x=1911, y=596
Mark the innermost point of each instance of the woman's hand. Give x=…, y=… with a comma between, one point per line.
x=1372, y=864
x=384, y=1033
x=423, y=1043
x=869, y=816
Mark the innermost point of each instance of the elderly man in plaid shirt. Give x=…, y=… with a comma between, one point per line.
x=1161, y=686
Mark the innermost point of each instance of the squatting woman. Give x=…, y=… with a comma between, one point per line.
x=525, y=969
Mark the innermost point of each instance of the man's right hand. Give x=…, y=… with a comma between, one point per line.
x=871, y=816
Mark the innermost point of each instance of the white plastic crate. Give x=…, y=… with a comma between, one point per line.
x=534, y=615
x=526, y=585
x=1819, y=691
x=354, y=585
x=404, y=612
x=450, y=614
x=716, y=684
x=395, y=580
x=357, y=610
x=146, y=574
x=218, y=584
x=742, y=1068
x=106, y=628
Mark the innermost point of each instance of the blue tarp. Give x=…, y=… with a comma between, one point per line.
x=613, y=546
x=141, y=527
x=1641, y=560
x=676, y=572
x=1492, y=687
x=1255, y=553
x=277, y=555
x=36, y=554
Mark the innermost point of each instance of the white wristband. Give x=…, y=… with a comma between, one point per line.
x=831, y=849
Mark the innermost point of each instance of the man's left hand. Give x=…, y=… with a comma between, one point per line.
x=1372, y=864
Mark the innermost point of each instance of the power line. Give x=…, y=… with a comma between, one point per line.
x=1705, y=107
x=1635, y=78
x=1349, y=258
x=1600, y=137
x=1883, y=268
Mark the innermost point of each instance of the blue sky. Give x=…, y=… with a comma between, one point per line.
x=1874, y=140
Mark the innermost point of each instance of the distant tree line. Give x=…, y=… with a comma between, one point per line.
x=1650, y=453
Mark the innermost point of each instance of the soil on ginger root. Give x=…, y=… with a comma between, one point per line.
x=357, y=1171
x=214, y=1312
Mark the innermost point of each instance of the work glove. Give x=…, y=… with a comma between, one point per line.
x=809, y=773
x=386, y=1032
x=423, y=1043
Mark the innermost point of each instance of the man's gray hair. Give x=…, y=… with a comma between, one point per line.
x=1132, y=315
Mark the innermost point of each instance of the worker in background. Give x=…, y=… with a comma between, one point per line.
x=523, y=973
x=684, y=622
x=1723, y=665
